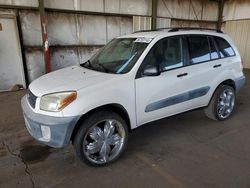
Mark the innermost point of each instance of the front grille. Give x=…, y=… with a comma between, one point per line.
x=31, y=98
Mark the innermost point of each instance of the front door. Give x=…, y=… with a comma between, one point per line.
x=163, y=95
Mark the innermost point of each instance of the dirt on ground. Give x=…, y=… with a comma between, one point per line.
x=187, y=150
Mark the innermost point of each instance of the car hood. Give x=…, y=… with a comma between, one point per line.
x=68, y=79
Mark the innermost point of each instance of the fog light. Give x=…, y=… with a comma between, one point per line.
x=45, y=133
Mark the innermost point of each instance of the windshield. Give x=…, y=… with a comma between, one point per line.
x=118, y=56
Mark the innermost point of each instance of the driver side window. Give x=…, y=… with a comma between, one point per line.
x=166, y=54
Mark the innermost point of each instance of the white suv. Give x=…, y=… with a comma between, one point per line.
x=133, y=80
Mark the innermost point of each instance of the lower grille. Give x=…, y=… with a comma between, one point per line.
x=31, y=98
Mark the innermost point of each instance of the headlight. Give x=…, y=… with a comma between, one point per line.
x=57, y=101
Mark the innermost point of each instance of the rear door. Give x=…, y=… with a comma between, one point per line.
x=204, y=66
x=227, y=54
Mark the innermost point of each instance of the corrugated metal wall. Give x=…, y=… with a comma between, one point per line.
x=186, y=9
x=74, y=37
x=181, y=13
x=187, y=13
x=236, y=9
x=89, y=24
x=237, y=25
x=240, y=33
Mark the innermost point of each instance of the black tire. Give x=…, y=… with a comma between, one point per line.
x=212, y=111
x=84, y=133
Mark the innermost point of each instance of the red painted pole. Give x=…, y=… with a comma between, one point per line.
x=46, y=45
x=45, y=37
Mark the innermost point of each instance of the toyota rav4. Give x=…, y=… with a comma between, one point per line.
x=133, y=80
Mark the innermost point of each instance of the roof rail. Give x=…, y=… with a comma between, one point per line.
x=174, y=29
x=148, y=30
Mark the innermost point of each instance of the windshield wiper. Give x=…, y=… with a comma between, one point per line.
x=89, y=64
x=103, y=67
x=93, y=67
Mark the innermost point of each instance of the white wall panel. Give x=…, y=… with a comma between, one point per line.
x=92, y=5
x=31, y=3
x=31, y=28
x=62, y=29
x=175, y=23
x=60, y=4
x=6, y=2
x=141, y=23
x=163, y=22
x=210, y=10
x=35, y=64
x=235, y=10
x=138, y=7
x=113, y=27
x=64, y=57
x=70, y=29
x=133, y=7
x=11, y=63
x=117, y=26
x=112, y=6
x=239, y=32
x=61, y=58
x=92, y=30
x=126, y=26
x=85, y=53
x=185, y=9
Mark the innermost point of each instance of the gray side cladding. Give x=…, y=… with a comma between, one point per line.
x=177, y=99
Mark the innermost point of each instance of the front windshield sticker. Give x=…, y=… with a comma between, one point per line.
x=143, y=40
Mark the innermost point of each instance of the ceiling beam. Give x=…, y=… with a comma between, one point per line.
x=220, y=13
x=154, y=14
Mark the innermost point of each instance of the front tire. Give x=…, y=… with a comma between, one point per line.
x=222, y=103
x=101, y=139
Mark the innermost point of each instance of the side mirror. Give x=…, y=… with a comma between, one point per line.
x=151, y=71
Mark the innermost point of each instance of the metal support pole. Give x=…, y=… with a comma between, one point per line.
x=20, y=32
x=44, y=36
x=154, y=14
x=220, y=13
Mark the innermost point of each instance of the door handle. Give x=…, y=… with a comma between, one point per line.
x=216, y=66
x=181, y=75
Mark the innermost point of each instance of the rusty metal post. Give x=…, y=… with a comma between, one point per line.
x=220, y=13
x=154, y=14
x=44, y=36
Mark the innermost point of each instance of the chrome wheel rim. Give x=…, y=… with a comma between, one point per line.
x=226, y=103
x=104, y=141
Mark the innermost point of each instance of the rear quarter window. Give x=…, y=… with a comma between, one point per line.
x=225, y=50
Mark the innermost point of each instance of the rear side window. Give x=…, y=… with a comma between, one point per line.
x=213, y=50
x=198, y=49
x=224, y=47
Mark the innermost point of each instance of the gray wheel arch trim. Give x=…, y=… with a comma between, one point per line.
x=239, y=83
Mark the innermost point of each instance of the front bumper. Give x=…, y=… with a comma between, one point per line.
x=60, y=128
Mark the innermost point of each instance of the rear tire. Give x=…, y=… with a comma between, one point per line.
x=101, y=139
x=222, y=103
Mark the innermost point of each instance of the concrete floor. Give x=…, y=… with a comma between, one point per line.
x=188, y=150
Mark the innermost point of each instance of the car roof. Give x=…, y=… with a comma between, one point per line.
x=173, y=32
